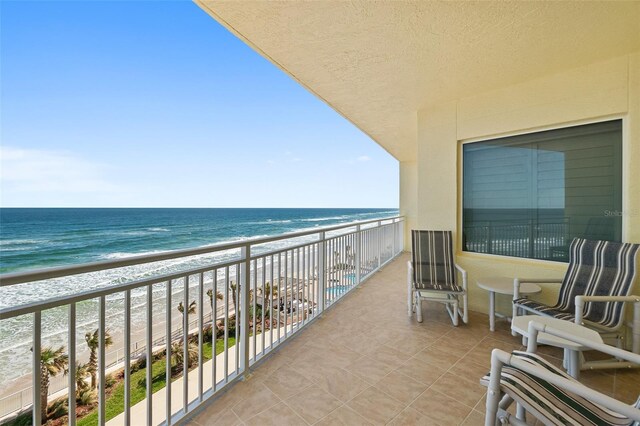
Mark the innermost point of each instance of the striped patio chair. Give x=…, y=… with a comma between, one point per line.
x=594, y=292
x=548, y=393
x=432, y=275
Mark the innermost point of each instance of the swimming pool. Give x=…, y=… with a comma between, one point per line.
x=337, y=290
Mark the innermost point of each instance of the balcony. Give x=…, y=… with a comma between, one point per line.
x=365, y=362
x=312, y=348
x=259, y=293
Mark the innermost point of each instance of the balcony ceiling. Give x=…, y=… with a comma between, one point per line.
x=378, y=63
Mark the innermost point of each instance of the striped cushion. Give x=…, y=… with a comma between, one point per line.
x=554, y=405
x=441, y=287
x=432, y=256
x=544, y=309
x=596, y=268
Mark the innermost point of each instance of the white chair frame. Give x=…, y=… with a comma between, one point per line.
x=606, y=333
x=415, y=297
x=498, y=402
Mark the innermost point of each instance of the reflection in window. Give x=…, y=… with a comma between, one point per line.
x=529, y=195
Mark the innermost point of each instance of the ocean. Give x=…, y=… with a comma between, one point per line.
x=43, y=238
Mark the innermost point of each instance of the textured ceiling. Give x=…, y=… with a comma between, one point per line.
x=378, y=63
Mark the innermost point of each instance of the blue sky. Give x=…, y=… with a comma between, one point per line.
x=153, y=104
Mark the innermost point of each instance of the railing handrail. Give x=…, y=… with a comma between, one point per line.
x=57, y=272
x=55, y=302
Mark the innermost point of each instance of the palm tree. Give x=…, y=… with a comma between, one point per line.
x=52, y=362
x=93, y=341
x=190, y=310
x=82, y=371
x=351, y=256
x=267, y=296
x=219, y=296
x=177, y=354
x=232, y=287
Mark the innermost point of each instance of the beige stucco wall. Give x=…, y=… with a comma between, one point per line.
x=409, y=197
x=593, y=93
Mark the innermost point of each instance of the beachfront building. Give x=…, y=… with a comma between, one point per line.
x=516, y=126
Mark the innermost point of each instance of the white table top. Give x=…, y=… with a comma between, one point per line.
x=521, y=326
x=504, y=285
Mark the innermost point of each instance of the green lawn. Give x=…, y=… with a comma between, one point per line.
x=115, y=402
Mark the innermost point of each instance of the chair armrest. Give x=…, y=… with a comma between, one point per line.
x=581, y=300
x=518, y=281
x=630, y=299
x=464, y=275
x=500, y=358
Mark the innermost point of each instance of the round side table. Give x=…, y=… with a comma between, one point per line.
x=502, y=285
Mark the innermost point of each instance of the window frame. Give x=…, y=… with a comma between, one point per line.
x=532, y=130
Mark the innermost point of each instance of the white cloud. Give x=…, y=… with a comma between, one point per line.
x=291, y=158
x=48, y=172
x=360, y=159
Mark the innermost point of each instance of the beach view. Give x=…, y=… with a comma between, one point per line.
x=319, y=213
x=147, y=227
x=68, y=236
x=38, y=238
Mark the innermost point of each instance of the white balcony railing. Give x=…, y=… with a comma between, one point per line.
x=280, y=284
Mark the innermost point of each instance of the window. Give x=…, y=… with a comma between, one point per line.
x=530, y=195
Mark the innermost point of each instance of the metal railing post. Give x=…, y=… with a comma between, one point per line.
x=72, y=365
x=127, y=357
x=37, y=349
x=358, y=257
x=102, y=368
x=322, y=284
x=394, y=238
x=244, y=282
x=532, y=248
x=149, y=362
x=379, y=224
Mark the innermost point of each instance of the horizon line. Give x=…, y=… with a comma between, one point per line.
x=66, y=207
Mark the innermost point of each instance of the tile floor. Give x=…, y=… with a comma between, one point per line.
x=365, y=362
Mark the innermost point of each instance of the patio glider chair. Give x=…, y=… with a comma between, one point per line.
x=432, y=275
x=594, y=293
x=547, y=393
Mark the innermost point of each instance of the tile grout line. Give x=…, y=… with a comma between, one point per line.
x=434, y=390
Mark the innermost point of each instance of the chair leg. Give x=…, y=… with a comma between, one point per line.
x=521, y=414
x=514, y=315
x=465, y=308
x=494, y=396
x=455, y=313
x=574, y=364
x=516, y=295
x=635, y=329
x=418, y=307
